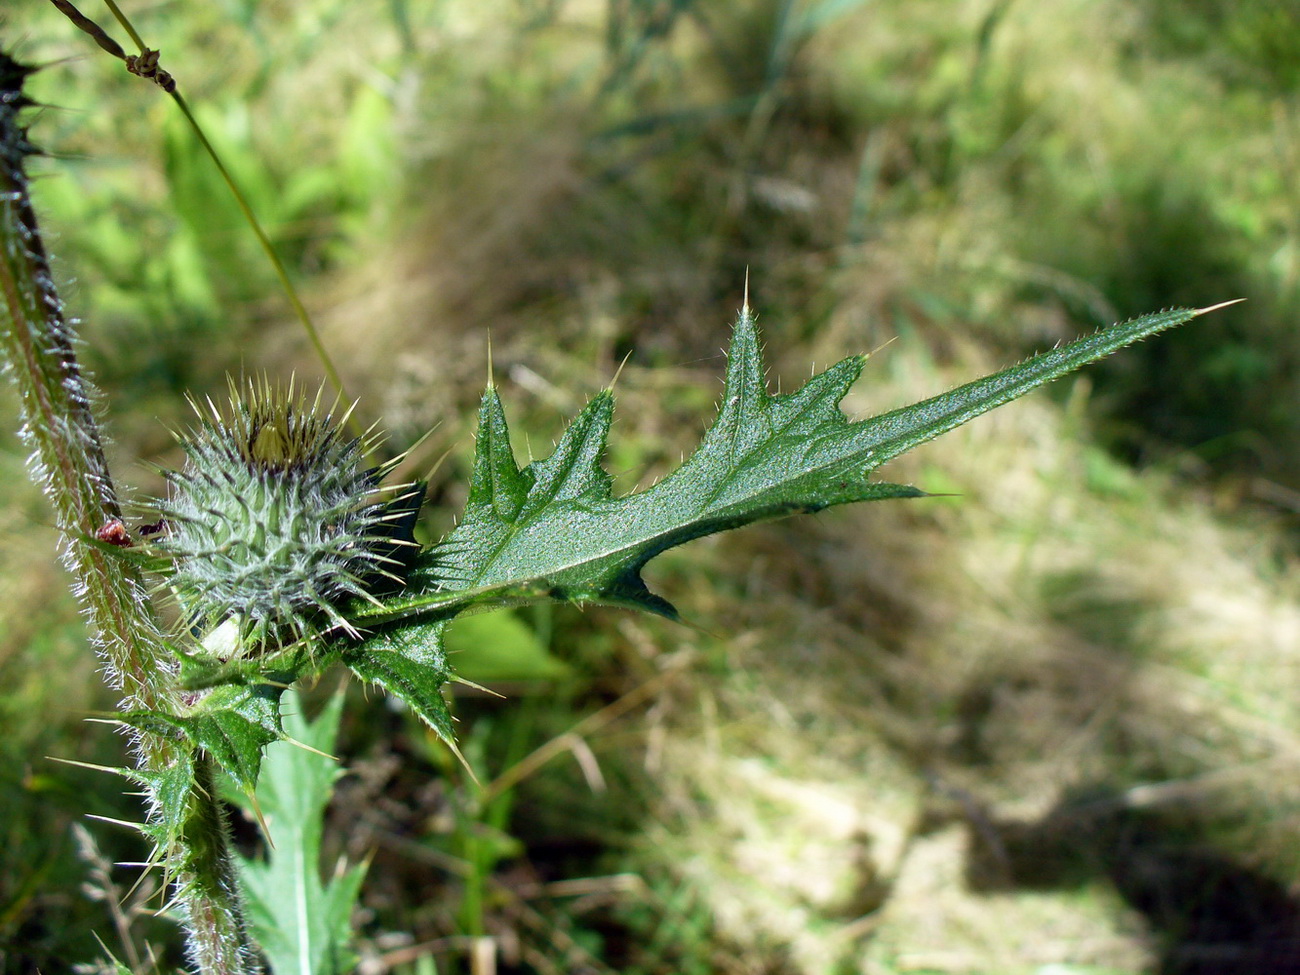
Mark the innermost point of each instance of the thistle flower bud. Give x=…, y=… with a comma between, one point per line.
x=276, y=523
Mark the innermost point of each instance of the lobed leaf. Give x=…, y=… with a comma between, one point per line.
x=554, y=530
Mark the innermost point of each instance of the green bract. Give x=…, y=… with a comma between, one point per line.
x=276, y=523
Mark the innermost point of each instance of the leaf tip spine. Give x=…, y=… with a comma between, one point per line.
x=609, y=387
x=1222, y=304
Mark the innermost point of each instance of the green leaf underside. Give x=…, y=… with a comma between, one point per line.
x=554, y=530
x=300, y=923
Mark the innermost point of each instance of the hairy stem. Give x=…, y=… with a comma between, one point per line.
x=67, y=460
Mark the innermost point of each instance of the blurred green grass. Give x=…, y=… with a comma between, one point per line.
x=838, y=770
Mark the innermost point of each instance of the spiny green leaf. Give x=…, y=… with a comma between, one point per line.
x=232, y=723
x=169, y=796
x=896, y=432
x=409, y=662
x=216, y=662
x=300, y=923
x=554, y=529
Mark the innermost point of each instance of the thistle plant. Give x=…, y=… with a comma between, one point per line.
x=286, y=555
x=186, y=823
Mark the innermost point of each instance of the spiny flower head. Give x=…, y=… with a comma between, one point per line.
x=276, y=522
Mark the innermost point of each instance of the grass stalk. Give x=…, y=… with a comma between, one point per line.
x=282, y=275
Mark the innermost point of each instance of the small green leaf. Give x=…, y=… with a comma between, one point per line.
x=301, y=924
x=409, y=662
x=232, y=723
x=168, y=791
x=489, y=647
x=216, y=661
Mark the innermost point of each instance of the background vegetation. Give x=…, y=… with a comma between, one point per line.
x=1046, y=723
